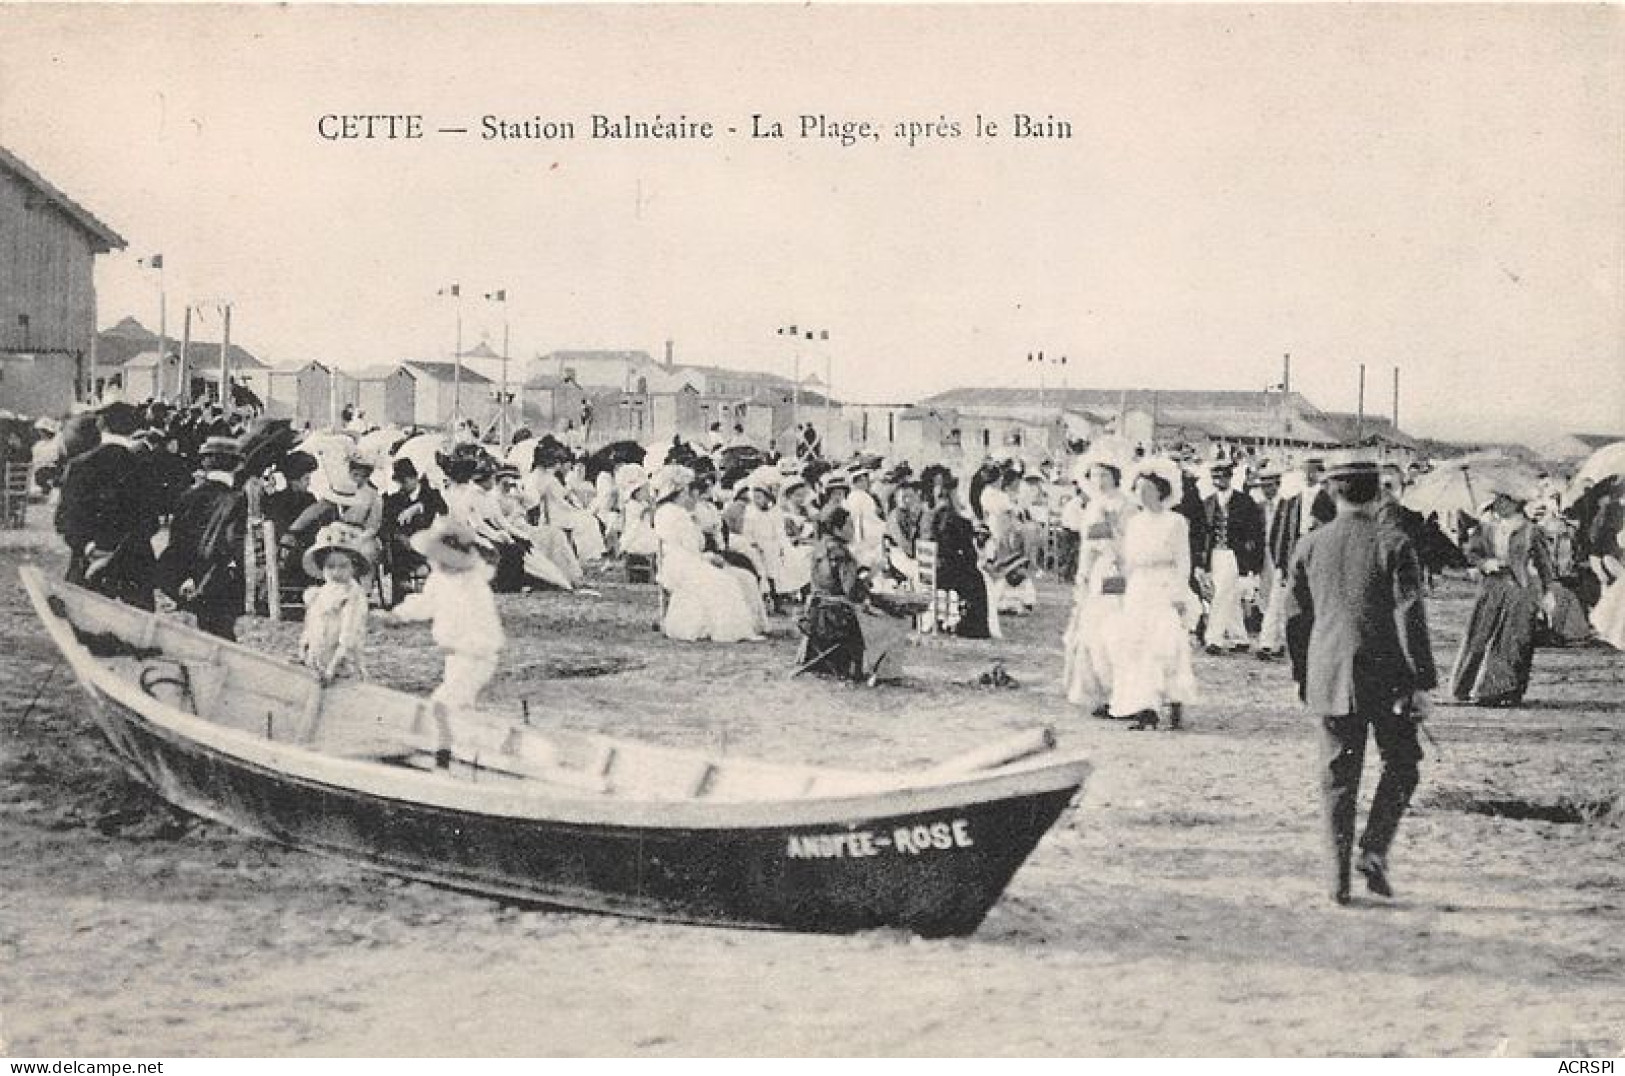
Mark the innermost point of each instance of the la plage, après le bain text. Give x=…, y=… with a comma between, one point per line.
x=844, y=131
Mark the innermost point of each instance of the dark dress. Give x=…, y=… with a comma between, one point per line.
x=107, y=514
x=206, y=547
x=1492, y=667
x=834, y=634
x=959, y=570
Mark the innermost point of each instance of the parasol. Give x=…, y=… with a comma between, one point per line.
x=1608, y=461
x=1463, y=486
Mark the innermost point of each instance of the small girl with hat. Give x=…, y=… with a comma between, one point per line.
x=458, y=602
x=336, y=611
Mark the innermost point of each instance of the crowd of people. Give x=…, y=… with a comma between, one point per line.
x=1165, y=553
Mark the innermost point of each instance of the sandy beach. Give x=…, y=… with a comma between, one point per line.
x=1179, y=911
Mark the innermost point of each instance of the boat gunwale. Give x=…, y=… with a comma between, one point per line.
x=380, y=780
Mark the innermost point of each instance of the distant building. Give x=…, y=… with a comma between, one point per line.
x=303, y=394
x=441, y=395
x=387, y=395
x=128, y=363
x=1162, y=417
x=48, y=246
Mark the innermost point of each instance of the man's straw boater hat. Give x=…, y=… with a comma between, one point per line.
x=448, y=544
x=221, y=446
x=344, y=538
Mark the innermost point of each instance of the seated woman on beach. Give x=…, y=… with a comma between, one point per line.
x=834, y=635
x=707, y=600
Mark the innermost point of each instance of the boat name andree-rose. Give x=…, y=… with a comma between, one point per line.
x=547, y=815
x=857, y=844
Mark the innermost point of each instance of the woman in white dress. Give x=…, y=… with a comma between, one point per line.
x=707, y=600
x=1148, y=648
x=546, y=498
x=764, y=541
x=1097, y=592
x=1608, y=615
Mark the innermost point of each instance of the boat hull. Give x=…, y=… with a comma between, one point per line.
x=936, y=872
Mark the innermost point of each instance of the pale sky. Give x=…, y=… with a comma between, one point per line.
x=1441, y=188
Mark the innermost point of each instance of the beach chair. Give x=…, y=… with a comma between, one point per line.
x=14, y=494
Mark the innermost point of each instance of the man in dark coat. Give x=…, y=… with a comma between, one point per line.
x=202, y=566
x=1230, y=560
x=1358, y=637
x=1395, y=514
x=1300, y=513
x=408, y=508
x=109, y=512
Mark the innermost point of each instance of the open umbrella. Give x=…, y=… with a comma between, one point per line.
x=521, y=454
x=1463, y=486
x=422, y=450
x=1606, y=462
x=379, y=443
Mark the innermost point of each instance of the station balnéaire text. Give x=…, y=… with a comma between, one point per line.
x=657, y=127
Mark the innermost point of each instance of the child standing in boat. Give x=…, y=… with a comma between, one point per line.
x=458, y=602
x=336, y=611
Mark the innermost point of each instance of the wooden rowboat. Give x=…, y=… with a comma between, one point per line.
x=548, y=816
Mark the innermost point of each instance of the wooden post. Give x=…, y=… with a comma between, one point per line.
x=225, y=362
x=1359, y=416
x=183, y=372
x=252, y=489
x=273, y=571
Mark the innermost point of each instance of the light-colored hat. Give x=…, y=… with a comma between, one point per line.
x=1164, y=469
x=837, y=479
x=221, y=446
x=766, y=478
x=628, y=475
x=1104, y=452
x=448, y=544
x=670, y=480
x=365, y=460
x=346, y=538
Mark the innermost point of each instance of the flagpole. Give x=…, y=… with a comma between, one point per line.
x=163, y=328
x=457, y=363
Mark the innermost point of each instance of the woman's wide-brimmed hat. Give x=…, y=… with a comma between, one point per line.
x=1167, y=471
x=670, y=480
x=1111, y=452
x=449, y=544
x=345, y=538
x=766, y=478
x=459, y=467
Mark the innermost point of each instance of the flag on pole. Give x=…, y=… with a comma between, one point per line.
x=454, y=291
x=498, y=296
x=156, y=261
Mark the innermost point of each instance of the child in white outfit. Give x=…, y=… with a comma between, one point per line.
x=458, y=602
x=336, y=611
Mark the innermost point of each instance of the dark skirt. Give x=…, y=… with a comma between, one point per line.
x=971, y=589
x=1495, y=656
x=834, y=644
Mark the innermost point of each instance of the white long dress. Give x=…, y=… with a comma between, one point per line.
x=543, y=491
x=1608, y=615
x=1149, y=654
x=1086, y=650
x=707, y=602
